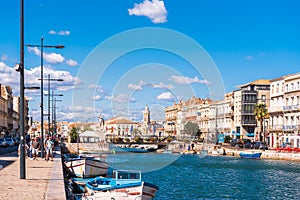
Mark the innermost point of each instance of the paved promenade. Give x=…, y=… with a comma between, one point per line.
x=44, y=179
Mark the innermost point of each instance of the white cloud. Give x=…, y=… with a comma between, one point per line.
x=71, y=113
x=72, y=63
x=53, y=32
x=50, y=58
x=155, y=10
x=162, y=86
x=98, y=88
x=165, y=96
x=141, y=83
x=138, y=86
x=249, y=58
x=64, y=33
x=120, y=98
x=96, y=97
x=187, y=80
x=8, y=75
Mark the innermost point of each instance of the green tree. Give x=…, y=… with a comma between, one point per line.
x=136, y=131
x=74, y=134
x=261, y=113
x=192, y=129
x=87, y=128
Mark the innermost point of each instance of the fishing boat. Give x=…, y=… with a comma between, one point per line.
x=138, y=150
x=83, y=166
x=250, y=155
x=123, y=185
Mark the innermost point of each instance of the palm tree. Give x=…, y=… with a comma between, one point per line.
x=261, y=113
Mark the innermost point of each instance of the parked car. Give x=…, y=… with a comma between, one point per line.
x=263, y=146
x=286, y=145
x=260, y=145
x=233, y=142
x=256, y=145
x=3, y=143
x=10, y=141
x=249, y=145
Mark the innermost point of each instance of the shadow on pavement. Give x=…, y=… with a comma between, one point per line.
x=5, y=163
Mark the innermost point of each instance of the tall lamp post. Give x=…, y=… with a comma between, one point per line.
x=54, y=112
x=42, y=46
x=52, y=106
x=50, y=79
x=20, y=69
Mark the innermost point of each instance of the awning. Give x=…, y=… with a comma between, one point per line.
x=250, y=134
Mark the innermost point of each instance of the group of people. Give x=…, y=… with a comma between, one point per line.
x=34, y=146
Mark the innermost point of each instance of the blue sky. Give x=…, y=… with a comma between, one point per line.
x=244, y=40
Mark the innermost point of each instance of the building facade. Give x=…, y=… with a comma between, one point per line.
x=285, y=110
x=245, y=100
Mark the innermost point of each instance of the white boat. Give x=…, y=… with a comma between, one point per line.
x=217, y=150
x=123, y=185
x=82, y=166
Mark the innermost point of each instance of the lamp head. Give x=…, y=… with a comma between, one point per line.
x=18, y=67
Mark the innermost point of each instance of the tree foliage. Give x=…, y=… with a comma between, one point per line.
x=74, y=134
x=192, y=129
x=261, y=113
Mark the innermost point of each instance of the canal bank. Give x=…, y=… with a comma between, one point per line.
x=267, y=154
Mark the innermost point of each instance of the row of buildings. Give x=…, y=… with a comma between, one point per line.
x=10, y=112
x=234, y=115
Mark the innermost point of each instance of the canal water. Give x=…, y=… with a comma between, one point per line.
x=213, y=177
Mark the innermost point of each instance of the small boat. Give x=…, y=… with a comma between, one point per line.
x=250, y=155
x=83, y=166
x=138, y=150
x=217, y=150
x=123, y=185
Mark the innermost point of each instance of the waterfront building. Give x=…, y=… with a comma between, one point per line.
x=3, y=111
x=221, y=117
x=245, y=100
x=285, y=110
x=171, y=120
x=183, y=112
x=121, y=126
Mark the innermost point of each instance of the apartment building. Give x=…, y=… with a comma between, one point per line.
x=245, y=100
x=285, y=110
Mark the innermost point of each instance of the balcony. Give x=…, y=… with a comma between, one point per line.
x=289, y=108
x=248, y=123
x=289, y=127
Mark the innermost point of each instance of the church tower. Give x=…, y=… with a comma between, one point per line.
x=146, y=116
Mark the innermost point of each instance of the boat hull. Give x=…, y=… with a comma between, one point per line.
x=143, y=190
x=250, y=155
x=86, y=167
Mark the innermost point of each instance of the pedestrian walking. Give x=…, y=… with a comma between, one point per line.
x=49, y=148
x=35, y=147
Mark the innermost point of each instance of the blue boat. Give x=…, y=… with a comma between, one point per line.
x=124, y=184
x=250, y=155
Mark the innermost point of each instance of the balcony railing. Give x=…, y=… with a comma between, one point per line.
x=248, y=122
x=292, y=107
x=289, y=127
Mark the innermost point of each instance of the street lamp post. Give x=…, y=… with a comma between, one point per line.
x=42, y=46
x=54, y=113
x=52, y=106
x=21, y=70
x=50, y=79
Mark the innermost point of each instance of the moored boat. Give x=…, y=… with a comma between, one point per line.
x=81, y=166
x=123, y=185
x=250, y=155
